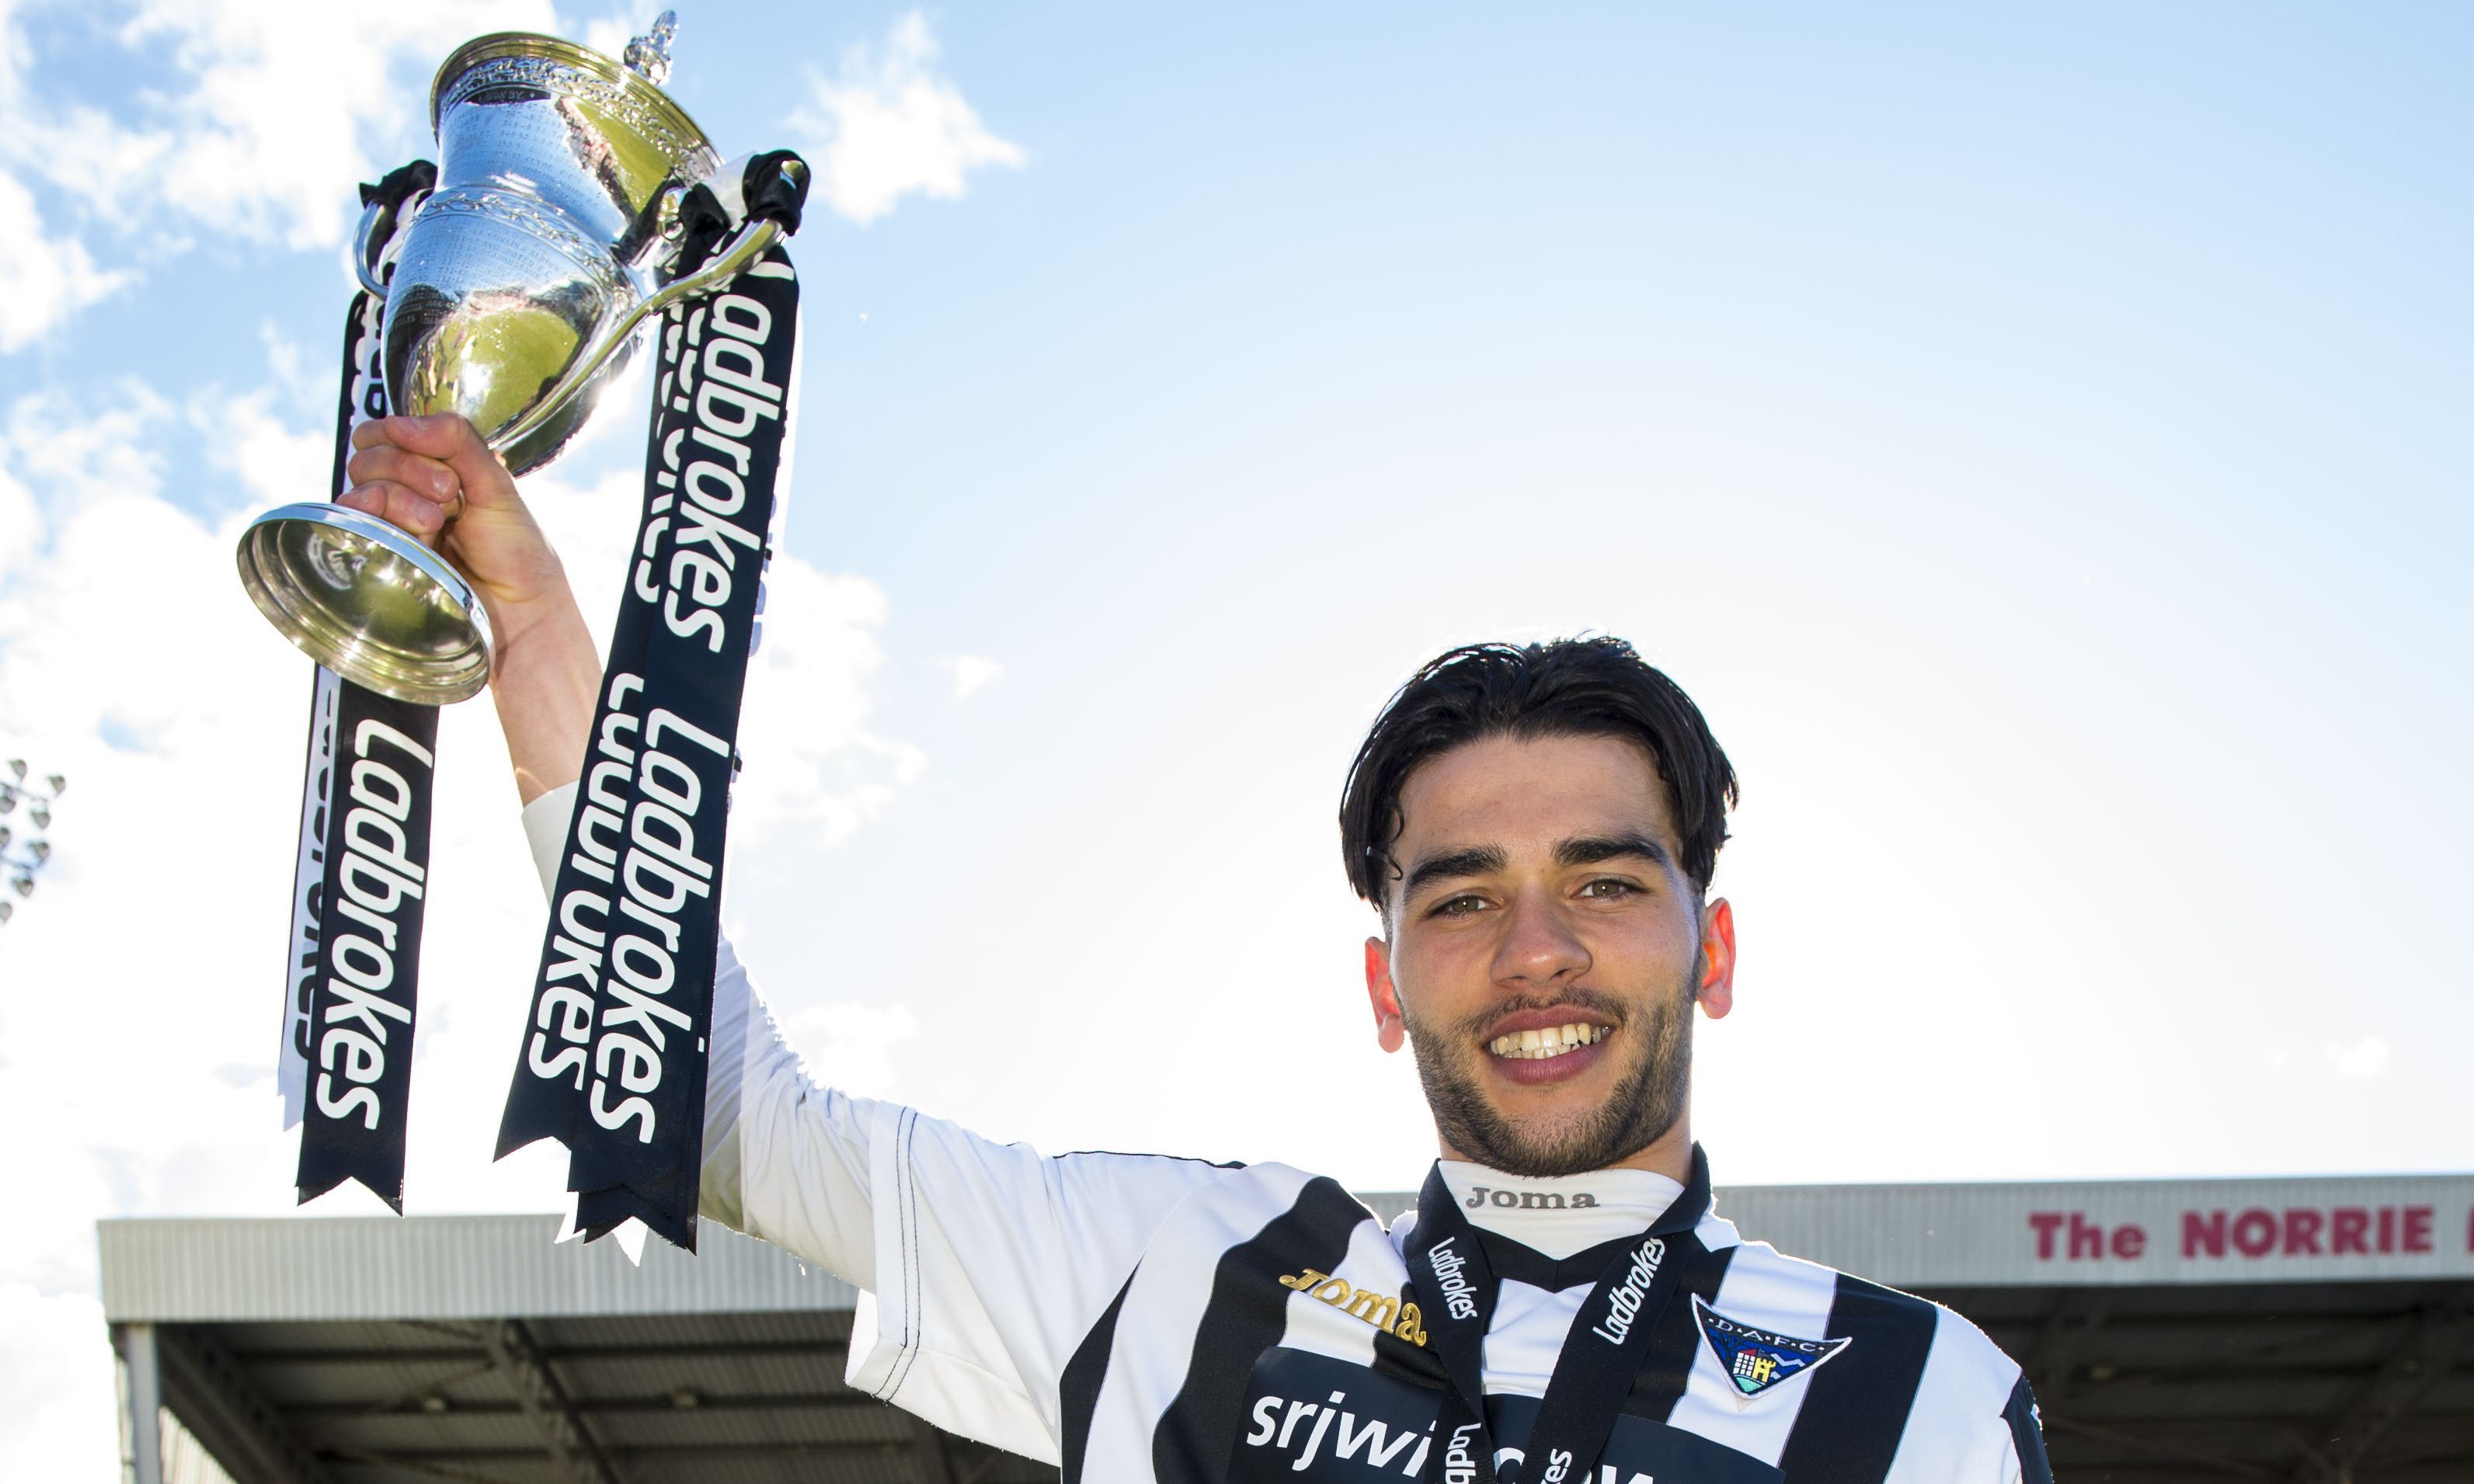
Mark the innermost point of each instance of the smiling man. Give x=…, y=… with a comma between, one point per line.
x=1537, y=827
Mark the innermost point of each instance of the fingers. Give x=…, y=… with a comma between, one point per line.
x=443, y=440
x=418, y=494
x=418, y=512
x=388, y=464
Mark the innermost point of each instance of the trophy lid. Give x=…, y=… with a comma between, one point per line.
x=627, y=93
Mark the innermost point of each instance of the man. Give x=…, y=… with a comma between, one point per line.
x=1536, y=828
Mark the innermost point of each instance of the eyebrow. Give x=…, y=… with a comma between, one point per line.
x=1589, y=850
x=1475, y=860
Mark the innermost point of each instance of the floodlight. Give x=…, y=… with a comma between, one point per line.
x=31, y=856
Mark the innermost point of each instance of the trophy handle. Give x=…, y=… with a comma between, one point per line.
x=381, y=212
x=377, y=225
x=734, y=256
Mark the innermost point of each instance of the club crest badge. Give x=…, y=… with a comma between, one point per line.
x=1758, y=1359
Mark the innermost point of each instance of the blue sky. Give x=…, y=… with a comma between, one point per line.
x=2036, y=439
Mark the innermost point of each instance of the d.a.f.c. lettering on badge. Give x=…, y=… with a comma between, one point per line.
x=1756, y=1360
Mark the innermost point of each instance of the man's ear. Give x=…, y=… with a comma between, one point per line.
x=1715, y=987
x=1390, y=1032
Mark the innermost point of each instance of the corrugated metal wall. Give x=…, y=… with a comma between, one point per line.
x=434, y=1267
x=2114, y=1233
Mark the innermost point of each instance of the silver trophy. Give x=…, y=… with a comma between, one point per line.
x=516, y=289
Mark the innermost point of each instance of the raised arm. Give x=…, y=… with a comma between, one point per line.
x=987, y=1262
x=435, y=477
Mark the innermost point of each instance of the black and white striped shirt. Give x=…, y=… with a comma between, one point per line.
x=1144, y=1318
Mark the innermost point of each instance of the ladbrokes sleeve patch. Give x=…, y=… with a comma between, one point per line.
x=1756, y=1360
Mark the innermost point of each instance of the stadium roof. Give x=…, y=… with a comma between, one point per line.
x=2276, y=1329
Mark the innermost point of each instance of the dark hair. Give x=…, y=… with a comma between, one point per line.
x=1581, y=687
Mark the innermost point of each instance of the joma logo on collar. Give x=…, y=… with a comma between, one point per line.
x=1528, y=1200
x=1379, y=1309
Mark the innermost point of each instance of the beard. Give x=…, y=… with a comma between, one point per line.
x=1648, y=1099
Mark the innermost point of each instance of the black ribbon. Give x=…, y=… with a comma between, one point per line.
x=1457, y=1288
x=362, y=879
x=773, y=187
x=401, y=184
x=614, y=1061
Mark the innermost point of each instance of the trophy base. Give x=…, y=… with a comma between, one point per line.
x=368, y=601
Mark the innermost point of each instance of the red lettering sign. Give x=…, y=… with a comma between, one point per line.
x=2295, y=1232
x=2082, y=1239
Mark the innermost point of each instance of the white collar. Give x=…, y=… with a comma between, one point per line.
x=1561, y=1214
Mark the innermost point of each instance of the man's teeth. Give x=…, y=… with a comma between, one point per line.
x=1536, y=1045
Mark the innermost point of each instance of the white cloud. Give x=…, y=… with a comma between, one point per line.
x=811, y=759
x=21, y=523
x=278, y=463
x=887, y=127
x=609, y=35
x=972, y=674
x=2367, y=1057
x=55, y=1366
x=43, y=279
x=284, y=101
x=75, y=459
x=125, y=664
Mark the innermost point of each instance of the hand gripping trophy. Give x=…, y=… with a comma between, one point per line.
x=574, y=205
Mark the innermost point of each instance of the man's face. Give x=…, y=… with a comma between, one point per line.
x=1544, y=953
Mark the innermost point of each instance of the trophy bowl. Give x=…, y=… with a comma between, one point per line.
x=513, y=297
